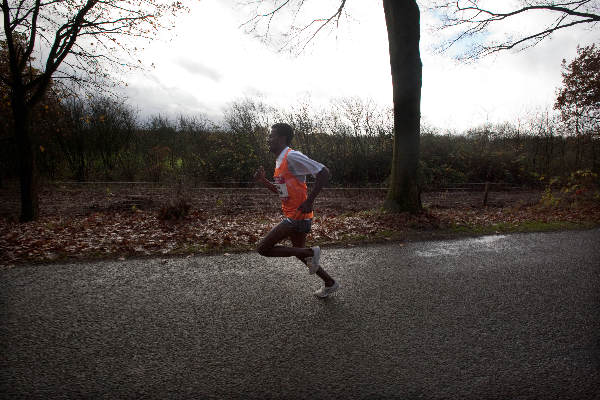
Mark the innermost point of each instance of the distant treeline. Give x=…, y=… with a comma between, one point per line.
x=102, y=139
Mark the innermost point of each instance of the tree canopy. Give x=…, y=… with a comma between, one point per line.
x=579, y=98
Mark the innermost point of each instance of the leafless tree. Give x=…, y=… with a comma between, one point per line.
x=403, y=26
x=469, y=21
x=71, y=39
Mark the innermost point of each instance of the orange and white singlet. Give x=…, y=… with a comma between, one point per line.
x=292, y=191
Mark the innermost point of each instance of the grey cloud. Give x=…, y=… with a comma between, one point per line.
x=156, y=98
x=196, y=68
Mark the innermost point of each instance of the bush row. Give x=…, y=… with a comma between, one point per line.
x=101, y=139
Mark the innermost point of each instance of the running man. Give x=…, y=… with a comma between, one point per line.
x=291, y=168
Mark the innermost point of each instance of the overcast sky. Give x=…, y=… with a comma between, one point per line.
x=210, y=61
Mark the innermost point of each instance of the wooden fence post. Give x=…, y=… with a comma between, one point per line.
x=485, y=195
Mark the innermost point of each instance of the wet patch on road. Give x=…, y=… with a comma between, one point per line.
x=493, y=243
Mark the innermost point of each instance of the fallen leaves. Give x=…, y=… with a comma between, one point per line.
x=124, y=234
x=121, y=235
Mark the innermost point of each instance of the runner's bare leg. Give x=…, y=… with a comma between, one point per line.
x=299, y=240
x=267, y=246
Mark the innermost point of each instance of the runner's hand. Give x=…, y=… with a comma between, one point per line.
x=306, y=207
x=259, y=175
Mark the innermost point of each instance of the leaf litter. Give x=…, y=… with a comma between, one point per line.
x=140, y=233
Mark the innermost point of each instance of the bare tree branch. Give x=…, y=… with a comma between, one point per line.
x=501, y=16
x=541, y=35
x=60, y=29
x=472, y=19
x=32, y=34
x=336, y=15
x=300, y=36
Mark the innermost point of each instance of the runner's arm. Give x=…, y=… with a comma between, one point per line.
x=322, y=178
x=259, y=176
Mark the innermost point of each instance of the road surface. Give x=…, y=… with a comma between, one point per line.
x=495, y=317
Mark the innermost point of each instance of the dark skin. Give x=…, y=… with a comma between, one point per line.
x=268, y=245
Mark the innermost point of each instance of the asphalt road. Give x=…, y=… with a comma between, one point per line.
x=497, y=317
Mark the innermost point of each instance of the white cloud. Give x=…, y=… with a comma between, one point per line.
x=212, y=62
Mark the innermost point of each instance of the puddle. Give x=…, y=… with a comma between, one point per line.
x=486, y=239
x=444, y=249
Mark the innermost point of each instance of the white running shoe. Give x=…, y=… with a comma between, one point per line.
x=313, y=262
x=327, y=290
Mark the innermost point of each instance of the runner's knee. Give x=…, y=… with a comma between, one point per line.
x=263, y=248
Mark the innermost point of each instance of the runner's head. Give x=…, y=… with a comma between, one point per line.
x=280, y=137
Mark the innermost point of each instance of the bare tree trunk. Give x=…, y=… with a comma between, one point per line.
x=403, y=26
x=27, y=170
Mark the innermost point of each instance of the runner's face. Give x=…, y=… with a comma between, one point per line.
x=276, y=142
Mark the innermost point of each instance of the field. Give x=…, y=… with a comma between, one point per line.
x=81, y=221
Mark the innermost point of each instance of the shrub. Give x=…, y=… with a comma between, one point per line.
x=174, y=210
x=580, y=187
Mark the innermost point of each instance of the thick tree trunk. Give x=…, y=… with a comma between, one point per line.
x=402, y=20
x=27, y=170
